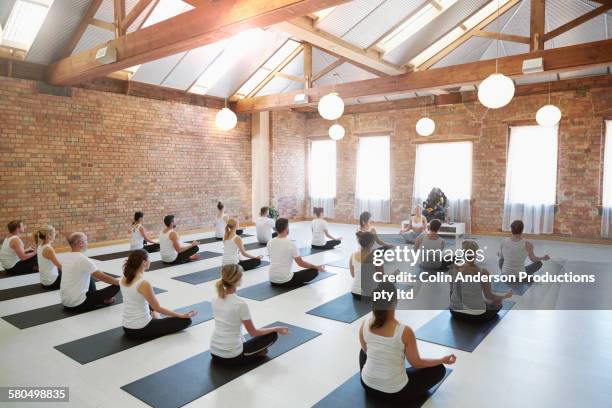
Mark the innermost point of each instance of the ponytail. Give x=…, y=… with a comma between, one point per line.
x=137, y=215
x=317, y=211
x=230, y=228
x=133, y=264
x=42, y=234
x=382, y=306
x=230, y=276
x=364, y=218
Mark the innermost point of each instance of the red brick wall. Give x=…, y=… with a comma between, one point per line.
x=288, y=163
x=87, y=162
x=580, y=137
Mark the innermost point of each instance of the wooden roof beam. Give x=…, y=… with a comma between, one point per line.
x=78, y=33
x=577, y=21
x=134, y=13
x=206, y=24
x=583, y=56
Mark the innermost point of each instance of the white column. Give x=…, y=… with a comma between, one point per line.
x=260, y=161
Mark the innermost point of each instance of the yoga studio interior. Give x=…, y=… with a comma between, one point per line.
x=306, y=203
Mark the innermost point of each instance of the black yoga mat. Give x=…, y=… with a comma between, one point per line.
x=23, y=291
x=210, y=240
x=207, y=275
x=254, y=245
x=113, y=341
x=157, y=265
x=518, y=288
x=460, y=335
x=345, y=308
x=311, y=251
x=111, y=256
x=340, y=263
x=195, y=377
x=4, y=274
x=352, y=394
x=48, y=314
x=265, y=290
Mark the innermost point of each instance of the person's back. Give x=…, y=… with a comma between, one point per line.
x=467, y=297
x=384, y=368
x=229, y=313
x=166, y=247
x=432, y=247
x=220, y=222
x=76, y=275
x=48, y=270
x=136, y=312
x=136, y=238
x=281, y=252
x=263, y=226
x=514, y=252
x=230, y=251
x=319, y=226
x=8, y=256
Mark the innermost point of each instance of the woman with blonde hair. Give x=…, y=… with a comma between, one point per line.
x=415, y=226
x=140, y=306
x=227, y=345
x=233, y=247
x=49, y=266
x=473, y=301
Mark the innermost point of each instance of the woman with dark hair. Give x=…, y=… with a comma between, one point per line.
x=362, y=267
x=385, y=346
x=320, y=232
x=140, y=319
x=221, y=221
x=139, y=237
x=14, y=258
x=233, y=247
x=365, y=226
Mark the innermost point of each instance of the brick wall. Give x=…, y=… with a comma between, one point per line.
x=580, y=144
x=288, y=163
x=87, y=162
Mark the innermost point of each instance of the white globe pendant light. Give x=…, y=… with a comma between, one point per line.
x=331, y=106
x=336, y=131
x=425, y=126
x=226, y=119
x=548, y=116
x=496, y=91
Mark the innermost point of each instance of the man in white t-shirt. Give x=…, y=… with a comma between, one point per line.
x=264, y=226
x=78, y=288
x=513, y=253
x=283, y=252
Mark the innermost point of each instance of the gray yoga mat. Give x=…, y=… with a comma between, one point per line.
x=157, y=265
x=52, y=313
x=518, y=289
x=340, y=263
x=352, y=394
x=265, y=290
x=254, y=245
x=195, y=377
x=109, y=342
x=311, y=251
x=345, y=308
x=460, y=335
x=207, y=275
x=23, y=291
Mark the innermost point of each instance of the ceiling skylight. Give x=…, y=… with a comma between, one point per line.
x=166, y=9
x=24, y=22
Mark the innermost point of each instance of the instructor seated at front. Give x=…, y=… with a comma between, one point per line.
x=282, y=253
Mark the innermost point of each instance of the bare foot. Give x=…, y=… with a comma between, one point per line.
x=109, y=301
x=194, y=257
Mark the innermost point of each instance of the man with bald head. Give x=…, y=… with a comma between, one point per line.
x=78, y=288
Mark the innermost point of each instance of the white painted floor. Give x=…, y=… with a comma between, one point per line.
x=531, y=359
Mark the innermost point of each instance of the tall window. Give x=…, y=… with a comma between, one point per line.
x=606, y=196
x=322, y=175
x=447, y=166
x=531, y=178
x=373, y=186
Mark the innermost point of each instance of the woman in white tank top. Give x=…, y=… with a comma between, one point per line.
x=48, y=264
x=364, y=226
x=139, y=237
x=14, y=258
x=233, y=247
x=385, y=346
x=417, y=224
x=221, y=221
x=362, y=268
x=140, y=306
x=473, y=301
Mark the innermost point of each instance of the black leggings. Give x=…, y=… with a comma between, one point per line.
x=491, y=313
x=184, y=256
x=251, y=350
x=55, y=285
x=420, y=380
x=150, y=248
x=95, y=298
x=328, y=245
x=22, y=267
x=299, y=278
x=250, y=263
x=158, y=327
